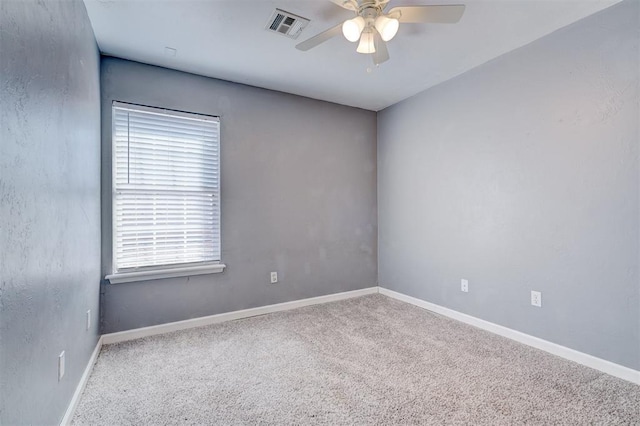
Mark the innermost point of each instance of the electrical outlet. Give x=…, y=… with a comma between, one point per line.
x=61, y=366
x=88, y=319
x=536, y=298
x=274, y=277
x=464, y=285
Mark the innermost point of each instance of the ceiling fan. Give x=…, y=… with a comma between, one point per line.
x=373, y=27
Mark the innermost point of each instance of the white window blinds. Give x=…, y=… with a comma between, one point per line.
x=166, y=188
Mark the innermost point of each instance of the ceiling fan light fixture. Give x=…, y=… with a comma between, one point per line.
x=367, y=44
x=387, y=27
x=352, y=28
x=374, y=26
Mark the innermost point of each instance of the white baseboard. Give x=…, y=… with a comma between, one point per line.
x=71, y=409
x=605, y=366
x=196, y=322
x=138, y=333
x=553, y=348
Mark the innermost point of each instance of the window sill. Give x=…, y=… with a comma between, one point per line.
x=127, y=277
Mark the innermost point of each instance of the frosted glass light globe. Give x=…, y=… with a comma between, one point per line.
x=352, y=28
x=367, y=44
x=387, y=27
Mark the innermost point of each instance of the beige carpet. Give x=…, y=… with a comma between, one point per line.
x=371, y=360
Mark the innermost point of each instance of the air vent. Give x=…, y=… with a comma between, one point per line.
x=286, y=23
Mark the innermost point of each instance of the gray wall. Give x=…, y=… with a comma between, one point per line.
x=521, y=175
x=49, y=205
x=298, y=197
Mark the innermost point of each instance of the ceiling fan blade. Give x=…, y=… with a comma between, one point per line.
x=320, y=38
x=445, y=14
x=347, y=4
x=381, y=54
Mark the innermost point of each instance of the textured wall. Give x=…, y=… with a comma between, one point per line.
x=298, y=197
x=522, y=175
x=49, y=204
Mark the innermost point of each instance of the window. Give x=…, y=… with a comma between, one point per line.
x=166, y=193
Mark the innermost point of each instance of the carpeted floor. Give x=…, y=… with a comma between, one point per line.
x=370, y=360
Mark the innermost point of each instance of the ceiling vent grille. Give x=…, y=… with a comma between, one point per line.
x=286, y=23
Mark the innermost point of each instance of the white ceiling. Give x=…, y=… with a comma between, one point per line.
x=226, y=39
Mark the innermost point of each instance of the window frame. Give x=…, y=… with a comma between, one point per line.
x=150, y=272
